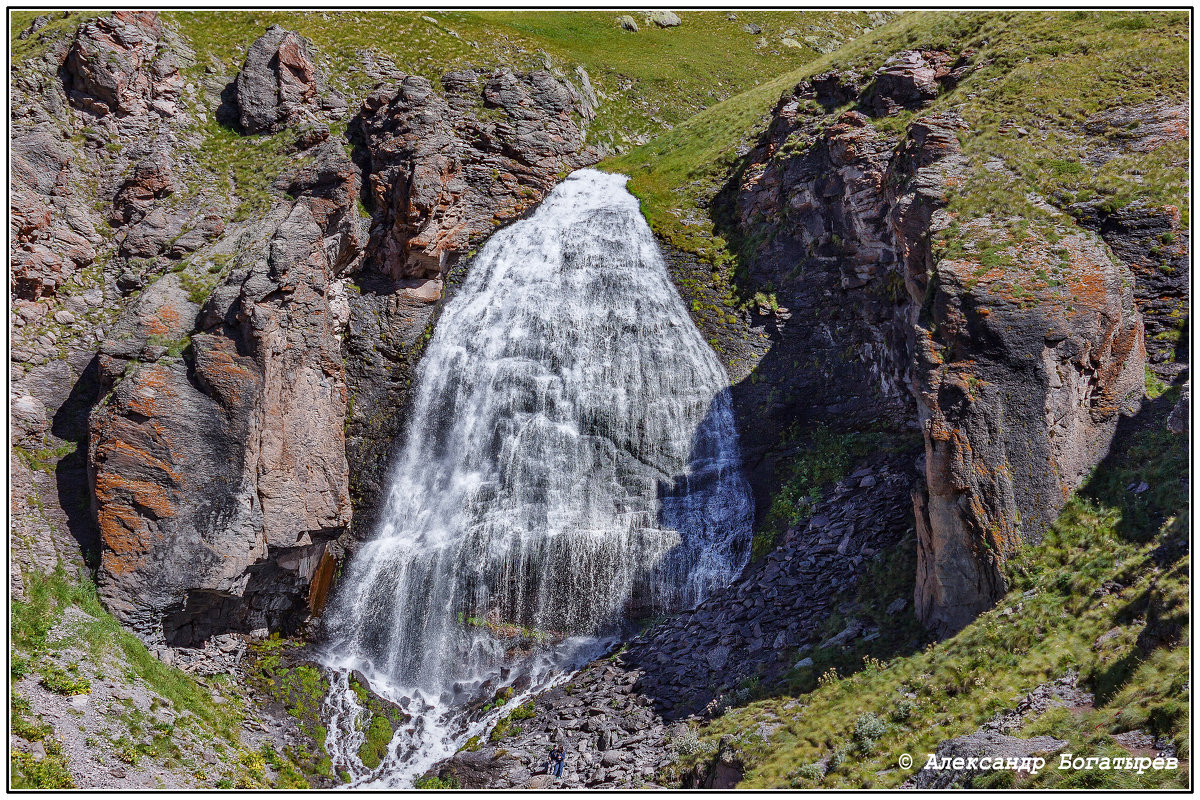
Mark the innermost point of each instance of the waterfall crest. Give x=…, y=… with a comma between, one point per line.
x=571, y=461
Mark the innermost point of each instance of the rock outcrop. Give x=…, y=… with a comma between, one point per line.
x=447, y=169
x=50, y=236
x=280, y=84
x=218, y=459
x=121, y=64
x=1018, y=377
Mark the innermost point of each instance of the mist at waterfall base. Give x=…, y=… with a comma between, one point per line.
x=571, y=465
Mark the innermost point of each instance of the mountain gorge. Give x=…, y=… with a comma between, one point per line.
x=942, y=257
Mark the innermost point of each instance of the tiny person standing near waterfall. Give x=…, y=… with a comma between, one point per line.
x=558, y=755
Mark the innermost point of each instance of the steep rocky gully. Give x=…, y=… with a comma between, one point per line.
x=221, y=384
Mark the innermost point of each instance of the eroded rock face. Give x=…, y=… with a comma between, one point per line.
x=1017, y=388
x=280, y=83
x=1019, y=383
x=49, y=237
x=447, y=169
x=118, y=64
x=220, y=471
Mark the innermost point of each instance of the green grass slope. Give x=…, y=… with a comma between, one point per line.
x=1045, y=72
x=647, y=81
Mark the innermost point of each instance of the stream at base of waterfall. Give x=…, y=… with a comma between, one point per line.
x=571, y=466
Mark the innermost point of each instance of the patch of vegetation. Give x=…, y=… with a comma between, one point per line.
x=35, y=616
x=287, y=776
x=1105, y=593
x=434, y=782
x=1038, y=79
x=65, y=681
x=822, y=456
x=501, y=697
x=247, y=165
x=57, y=27
x=507, y=727
x=300, y=689
x=650, y=80
x=49, y=773
x=507, y=630
x=1155, y=386
x=381, y=723
x=44, y=459
x=25, y=771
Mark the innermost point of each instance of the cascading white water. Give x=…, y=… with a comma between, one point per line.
x=571, y=463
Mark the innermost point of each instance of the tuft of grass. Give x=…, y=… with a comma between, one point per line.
x=506, y=727
x=65, y=681
x=45, y=459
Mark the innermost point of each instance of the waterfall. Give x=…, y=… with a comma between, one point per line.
x=571, y=463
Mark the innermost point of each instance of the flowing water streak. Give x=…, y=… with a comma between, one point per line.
x=571, y=463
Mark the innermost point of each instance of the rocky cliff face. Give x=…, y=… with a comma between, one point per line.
x=1018, y=377
x=220, y=465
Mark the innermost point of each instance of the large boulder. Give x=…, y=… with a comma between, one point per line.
x=665, y=19
x=280, y=83
x=122, y=64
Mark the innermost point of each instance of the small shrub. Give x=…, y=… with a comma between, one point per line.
x=688, y=743
x=868, y=729
x=806, y=776
x=435, y=782
x=49, y=773
x=903, y=710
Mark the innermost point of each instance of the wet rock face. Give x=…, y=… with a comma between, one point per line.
x=219, y=470
x=280, y=83
x=119, y=64
x=1018, y=397
x=447, y=168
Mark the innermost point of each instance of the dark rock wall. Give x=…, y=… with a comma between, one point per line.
x=1018, y=396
